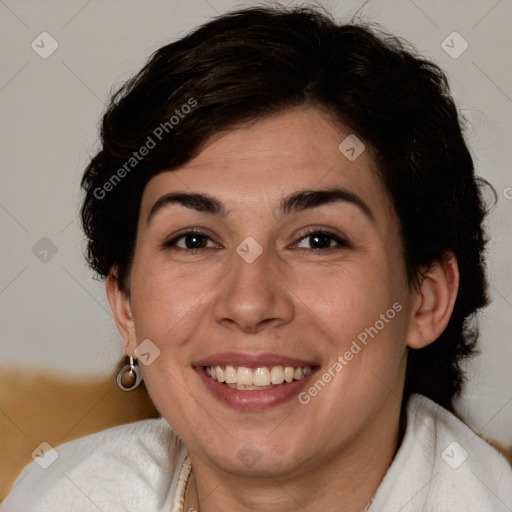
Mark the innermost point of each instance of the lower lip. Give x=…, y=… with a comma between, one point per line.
x=254, y=400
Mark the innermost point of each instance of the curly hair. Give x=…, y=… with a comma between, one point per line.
x=250, y=63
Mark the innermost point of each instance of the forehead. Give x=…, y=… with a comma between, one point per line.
x=255, y=165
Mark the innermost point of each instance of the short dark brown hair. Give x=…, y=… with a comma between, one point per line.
x=250, y=63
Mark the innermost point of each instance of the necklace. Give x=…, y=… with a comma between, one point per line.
x=370, y=502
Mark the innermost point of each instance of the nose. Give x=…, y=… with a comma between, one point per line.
x=254, y=296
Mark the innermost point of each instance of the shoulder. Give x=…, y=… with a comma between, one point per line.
x=132, y=464
x=443, y=465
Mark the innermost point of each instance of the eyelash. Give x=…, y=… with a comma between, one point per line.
x=342, y=242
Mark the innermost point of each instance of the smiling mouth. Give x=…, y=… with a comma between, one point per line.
x=263, y=377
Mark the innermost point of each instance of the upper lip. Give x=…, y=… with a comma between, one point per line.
x=249, y=360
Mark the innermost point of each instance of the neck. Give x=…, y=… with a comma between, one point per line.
x=347, y=481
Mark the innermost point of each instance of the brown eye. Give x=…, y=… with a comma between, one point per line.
x=321, y=240
x=194, y=241
x=190, y=241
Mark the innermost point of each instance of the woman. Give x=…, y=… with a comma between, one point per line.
x=290, y=228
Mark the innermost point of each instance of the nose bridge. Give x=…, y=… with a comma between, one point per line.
x=251, y=266
x=253, y=293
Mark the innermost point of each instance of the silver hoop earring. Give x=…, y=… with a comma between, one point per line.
x=129, y=376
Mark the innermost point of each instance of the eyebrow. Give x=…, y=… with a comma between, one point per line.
x=295, y=202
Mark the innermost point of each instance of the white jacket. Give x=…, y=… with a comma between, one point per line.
x=441, y=466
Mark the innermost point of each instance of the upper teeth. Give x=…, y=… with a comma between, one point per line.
x=242, y=377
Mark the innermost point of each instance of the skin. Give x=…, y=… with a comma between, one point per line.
x=292, y=300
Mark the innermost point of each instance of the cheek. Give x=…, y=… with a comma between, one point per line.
x=364, y=317
x=158, y=320
x=166, y=309
x=163, y=300
x=351, y=299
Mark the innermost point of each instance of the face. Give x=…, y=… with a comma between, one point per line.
x=291, y=258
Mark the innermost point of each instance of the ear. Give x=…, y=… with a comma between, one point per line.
x=120, y=305
x=434, y=302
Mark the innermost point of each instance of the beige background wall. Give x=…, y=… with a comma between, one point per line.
x=55, y=317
